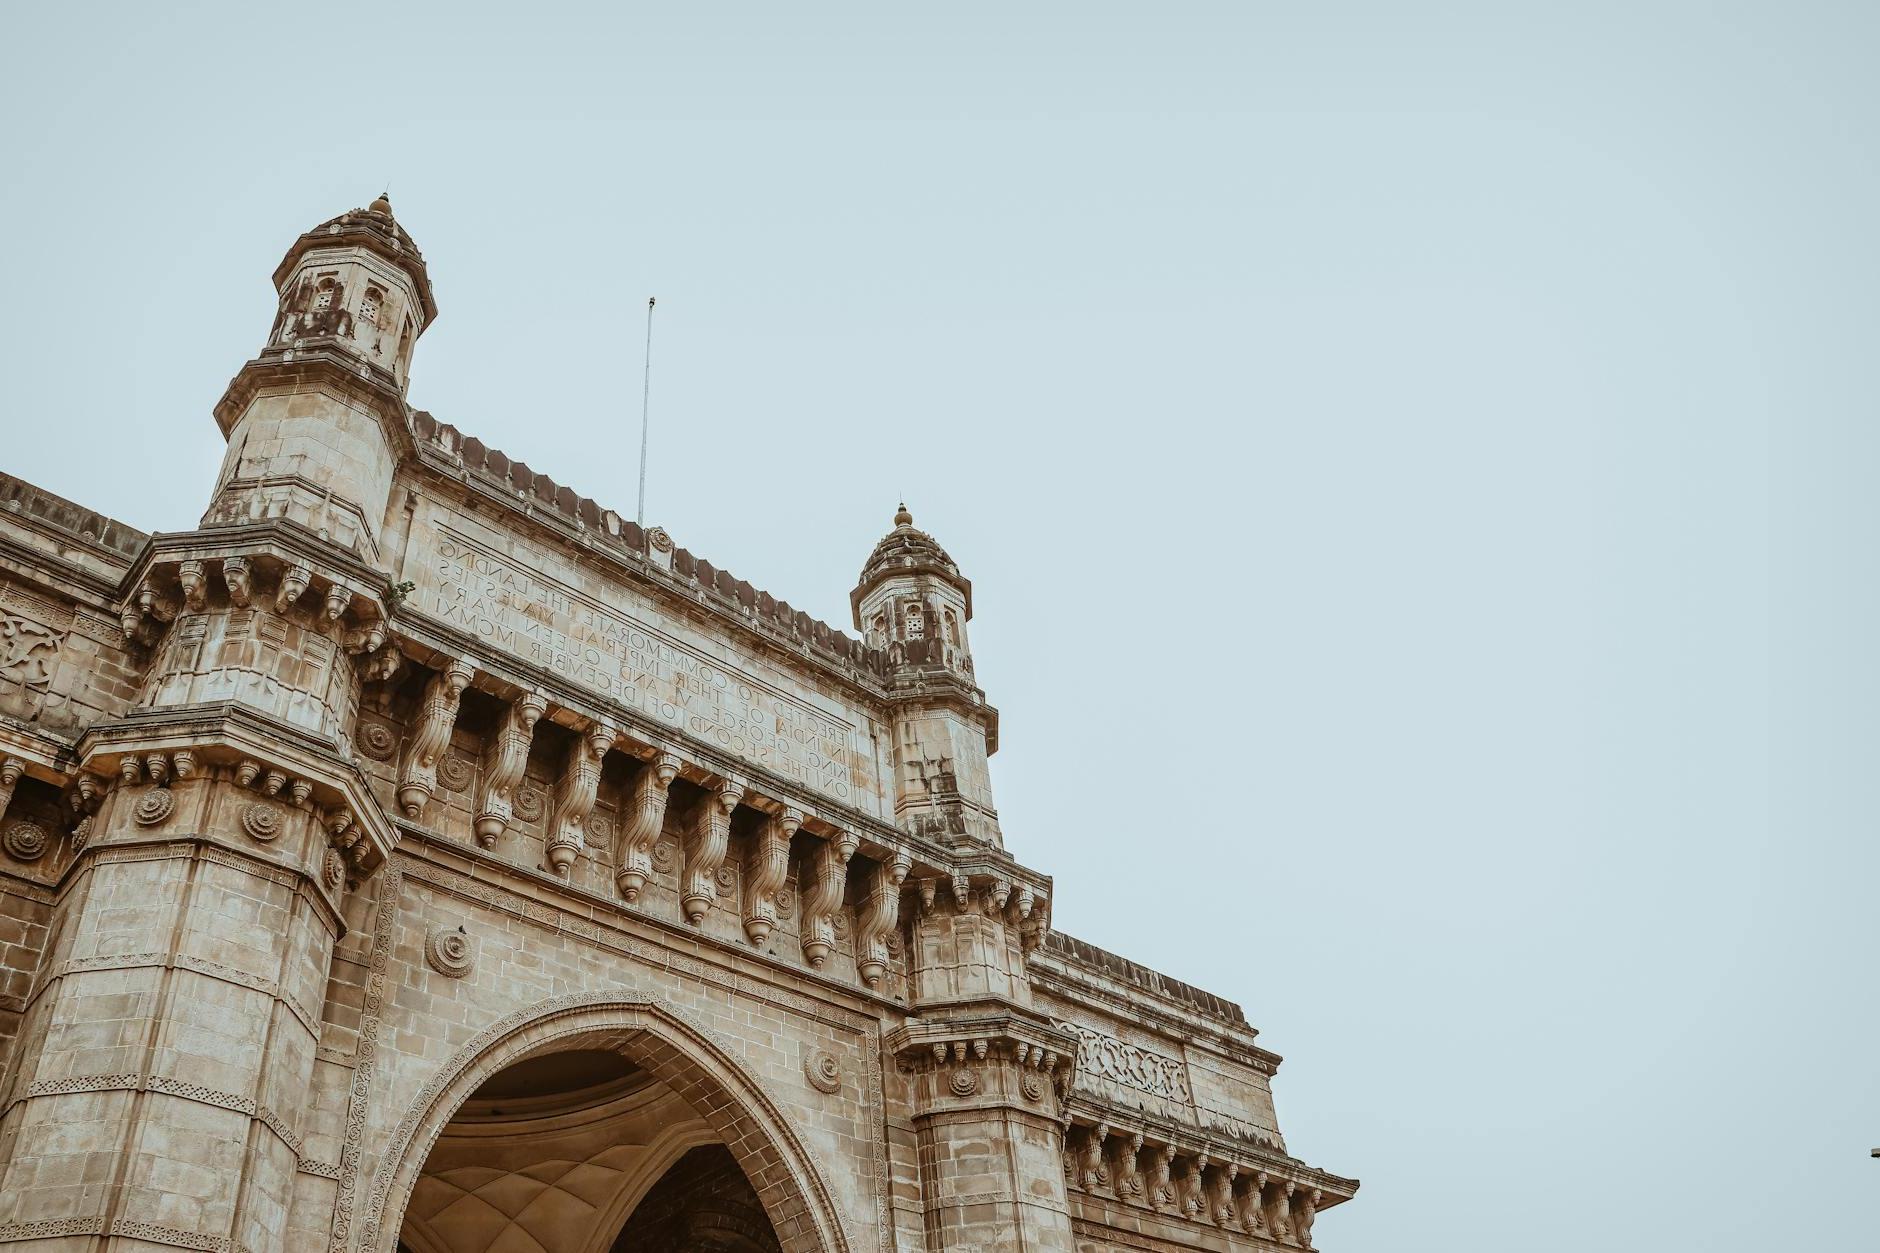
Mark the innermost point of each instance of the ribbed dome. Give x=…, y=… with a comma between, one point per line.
x=377, y=229
x=904, y=546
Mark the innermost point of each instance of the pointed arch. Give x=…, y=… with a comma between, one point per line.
x=671, y=1046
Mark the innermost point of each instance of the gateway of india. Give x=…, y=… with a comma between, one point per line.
x=417, y=857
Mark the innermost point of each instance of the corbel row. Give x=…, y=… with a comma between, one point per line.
x=823, y=875
x=1196, y=1180
x=170, y=586
x=352, y=853
x=993, y=895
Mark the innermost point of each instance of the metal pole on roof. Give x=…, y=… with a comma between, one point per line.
x=646, y=393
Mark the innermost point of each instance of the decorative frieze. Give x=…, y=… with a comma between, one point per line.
x=644, y=820
x=503, y=764
x=417, y=782
x=1106, y=1057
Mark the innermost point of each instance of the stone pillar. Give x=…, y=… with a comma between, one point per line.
x=172, y=1033
x=987, y=1133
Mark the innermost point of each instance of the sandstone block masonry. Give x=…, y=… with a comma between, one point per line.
x=415, y=855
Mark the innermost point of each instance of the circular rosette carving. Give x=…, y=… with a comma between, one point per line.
x=25, y=841
x=786, y=903
x=964, y=1082
x=331, y=870
x=894, y=942
x=822, y=1070
x=377, y=740
x=448, y=951
x=727, y=878
x=455, y=772
x=600, y=831
x=261, y=820
x=665, y=856
x=153, y=807
x=1033, y=1087
x=530, y=801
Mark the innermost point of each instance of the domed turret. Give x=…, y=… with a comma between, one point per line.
x=912, y=601
x=314, y=422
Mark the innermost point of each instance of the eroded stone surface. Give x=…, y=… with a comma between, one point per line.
x=335, y=832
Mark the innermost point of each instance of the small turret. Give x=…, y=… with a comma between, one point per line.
x=314, y=423
x=913, y=603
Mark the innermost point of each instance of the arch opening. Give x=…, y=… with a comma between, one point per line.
x=588, y=1131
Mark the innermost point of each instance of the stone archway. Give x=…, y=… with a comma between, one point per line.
x=661, y=1040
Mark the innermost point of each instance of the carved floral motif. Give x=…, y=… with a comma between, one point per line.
x=25, y=841
x=261, y=820
x=1110, y=1058
x=822, y=1070
x=448, y=951
x=153, y=807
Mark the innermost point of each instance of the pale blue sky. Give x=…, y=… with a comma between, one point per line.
x=1414, y=462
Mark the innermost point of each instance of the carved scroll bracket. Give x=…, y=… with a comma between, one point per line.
x=417, y=782
x=705, y=851
x=646, y=818
x=503, y=763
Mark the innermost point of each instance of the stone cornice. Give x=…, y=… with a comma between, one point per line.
x=1087, y=1111
x=281, y=538
x=322, y=361
x=339, y=781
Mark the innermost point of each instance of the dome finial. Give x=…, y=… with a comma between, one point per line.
x=902, y=517
x=383, y=204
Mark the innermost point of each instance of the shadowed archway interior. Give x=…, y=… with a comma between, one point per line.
x=581, y=1151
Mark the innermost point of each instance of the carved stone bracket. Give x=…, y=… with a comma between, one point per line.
x=417, y=782
x=769, y=867
x=580, y=781
x=879, y=915
x=705, y=850
x=503, y=763
x=822, y=897
x=645, y=819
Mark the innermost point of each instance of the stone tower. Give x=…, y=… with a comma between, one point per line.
x=237, y=815
x=913, y=603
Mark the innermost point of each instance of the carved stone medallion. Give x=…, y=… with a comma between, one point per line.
x=448, y=951
x=786, y=903
x=25, y=841
x=1033, y=1087
x=455, y=772
x=822, y=1070
x=964, y=1082
x=331, y=869
x=261, y=820
x=530, y=801
x=665, y=856
x=153, y=807
x=377, y=740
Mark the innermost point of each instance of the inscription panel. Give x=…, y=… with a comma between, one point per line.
x=615, y=642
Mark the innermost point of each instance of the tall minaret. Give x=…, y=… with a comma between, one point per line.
x=912, y=602
x=314, y=422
